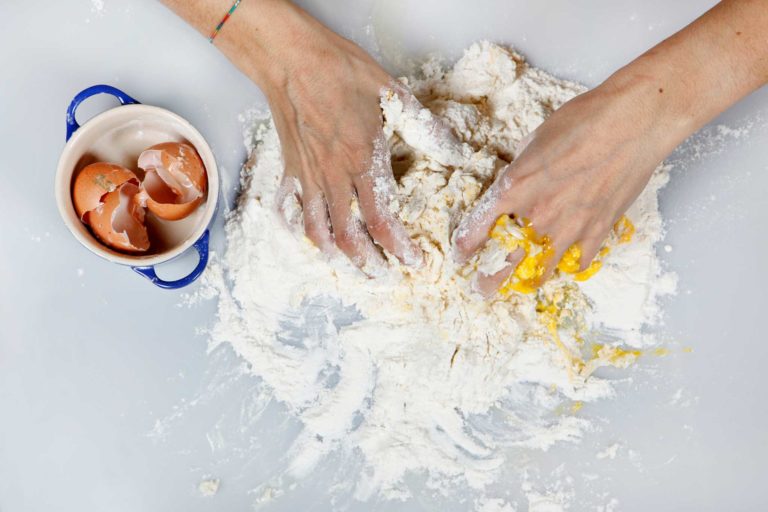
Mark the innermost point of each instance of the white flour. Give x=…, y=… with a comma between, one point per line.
x=413, y=370
x=208, y=487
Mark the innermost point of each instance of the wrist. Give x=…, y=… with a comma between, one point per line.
x=261, y=39
x=660, y=104
x=697, y=73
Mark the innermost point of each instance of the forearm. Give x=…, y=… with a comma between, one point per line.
x=257, y=38
x=690, y=78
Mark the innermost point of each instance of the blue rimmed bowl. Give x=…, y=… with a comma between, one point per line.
x=118, y=136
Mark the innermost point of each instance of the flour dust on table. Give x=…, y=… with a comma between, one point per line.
x=413, y=373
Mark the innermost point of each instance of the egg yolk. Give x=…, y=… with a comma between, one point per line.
x=537, y=251
x=615, y=356
x=528, y=275
x=624, y=229
x=550, y=311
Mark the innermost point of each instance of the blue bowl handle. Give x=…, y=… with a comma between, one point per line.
x=83, y=95
x=202, y=249
x=149, y=272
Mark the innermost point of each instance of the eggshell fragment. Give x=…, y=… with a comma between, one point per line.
x=175, y=180
x=94, y=182
x=119, y=221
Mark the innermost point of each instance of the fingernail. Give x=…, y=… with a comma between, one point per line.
x=474, y=285
x=413, y=256
x=373, y=264
x=455, y=252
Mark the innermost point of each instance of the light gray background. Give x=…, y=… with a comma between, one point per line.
x=108, y=400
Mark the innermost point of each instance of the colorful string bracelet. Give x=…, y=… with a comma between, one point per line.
x=223, y=21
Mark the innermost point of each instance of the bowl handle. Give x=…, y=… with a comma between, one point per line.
x=202, y=249
x=83, y=95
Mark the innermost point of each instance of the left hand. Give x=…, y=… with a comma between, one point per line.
x=579, y=173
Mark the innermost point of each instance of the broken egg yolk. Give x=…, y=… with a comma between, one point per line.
x=554, y=313
x=615, y=356
x=554, y=308
x=538, y=250
x=550, y=311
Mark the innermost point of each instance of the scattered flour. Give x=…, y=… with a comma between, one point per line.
x=493, y=505
x=209, y=487
x=413, y=371
x=555, y=499
x=610, y=452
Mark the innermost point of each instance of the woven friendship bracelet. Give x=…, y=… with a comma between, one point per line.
x=223, y=21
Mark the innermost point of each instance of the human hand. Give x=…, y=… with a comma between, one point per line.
x=587, y=163
x=577, y=174
x=326, y=108
x=324, y=93
x=337, y=163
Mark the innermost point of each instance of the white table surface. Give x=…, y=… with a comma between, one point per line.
x=108, y=399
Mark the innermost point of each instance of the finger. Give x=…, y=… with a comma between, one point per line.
x=524, y=143
x=349, y=232
x=473, y=230
x=558, y=245
x=288, y=201
x=377, y=192
x=317, y=223
x=489, y=285
x=420, y=128
x=589, y=249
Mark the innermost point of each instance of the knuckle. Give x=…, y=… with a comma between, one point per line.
x=342, y=237
x=379, y=232
x=378, y=225
x=597, y=229
x=346, y=242
x=542, y=216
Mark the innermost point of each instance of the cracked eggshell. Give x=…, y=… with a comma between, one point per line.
x=175, y=180
x=119, y=221
x=94, y=182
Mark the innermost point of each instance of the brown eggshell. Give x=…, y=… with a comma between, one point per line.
x=175, y=180
x=119, y=221
x=172, y=211
x=94, y=182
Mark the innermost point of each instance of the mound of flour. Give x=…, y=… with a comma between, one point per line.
x=413, y=371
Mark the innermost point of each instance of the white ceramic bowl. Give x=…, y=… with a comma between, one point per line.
x=118, y=136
